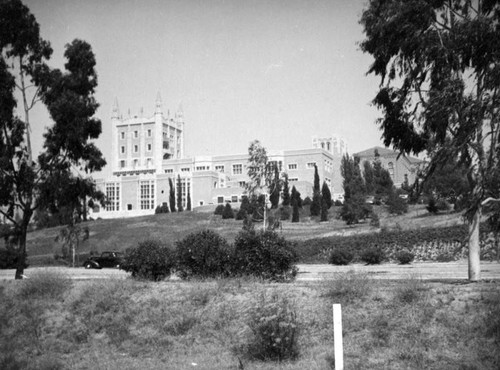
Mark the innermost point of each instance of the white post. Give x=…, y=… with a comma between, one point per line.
x=337, y=337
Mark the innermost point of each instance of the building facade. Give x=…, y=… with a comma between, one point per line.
x=400, y=167
x=148, y=155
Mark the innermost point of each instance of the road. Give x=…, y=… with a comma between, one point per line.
x=422, y=270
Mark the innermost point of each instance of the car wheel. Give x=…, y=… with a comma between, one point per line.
x=88, y=265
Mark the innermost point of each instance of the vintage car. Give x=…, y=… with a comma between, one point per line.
x=106, y=259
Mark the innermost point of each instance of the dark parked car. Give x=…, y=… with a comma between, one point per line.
x=106, y=259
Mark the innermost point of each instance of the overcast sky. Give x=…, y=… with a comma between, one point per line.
x=278, y=71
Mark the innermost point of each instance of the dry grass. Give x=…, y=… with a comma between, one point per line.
x=125, y=324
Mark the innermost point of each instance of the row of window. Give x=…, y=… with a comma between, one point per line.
x=149, y=148
x=146, y=194
x=237, y=169
x=135, y=163
x=135, y=134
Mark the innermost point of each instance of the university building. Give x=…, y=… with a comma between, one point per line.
x=400, y=166
x=148, y=153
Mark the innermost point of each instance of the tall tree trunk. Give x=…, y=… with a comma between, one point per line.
x=21, y=252
x=474, y=247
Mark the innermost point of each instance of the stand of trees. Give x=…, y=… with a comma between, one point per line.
x=439, y=69
x=28, y=184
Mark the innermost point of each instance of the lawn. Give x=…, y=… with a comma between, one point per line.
x=120, y=234
x=51, y=322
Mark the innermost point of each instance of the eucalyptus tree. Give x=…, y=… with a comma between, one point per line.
x=69, y=99
x=439, y=68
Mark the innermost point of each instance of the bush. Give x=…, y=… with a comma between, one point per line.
x=375, y=221
x=396, y=205
x=219, y=209
x=45, y=284
x=338, y=203
x=404, y=257
x=202, y=254
x=8, y=259
x=410, y=291
x=443, y=205
x=307, y=201
x=347, y=287
x=432, y=206
x=285, y=213
x=272, y=321
x=341, y=256
x=162, y=209
x=149, y=260
x=372, y=255
x=227, y=212
x=264, y=254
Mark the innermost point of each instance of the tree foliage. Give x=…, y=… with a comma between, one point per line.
x=69, y=97
x=315, y=208
x=354, y=208
x=285, y=195
x=171, y=195
x=257, y=169
x=180, y=208
x=275, y=189
x=439, y=66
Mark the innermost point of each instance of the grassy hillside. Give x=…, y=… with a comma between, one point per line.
x=51, y=322
x=120, y=234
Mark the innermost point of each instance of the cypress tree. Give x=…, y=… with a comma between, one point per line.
x=285, y=196
x=179, y=194
x=324, y=210
x=295, y=213
x=228, y=212
x=316, y=201
x=326, y=195
x=274, y=196
x=188, y=206
x=171, y=197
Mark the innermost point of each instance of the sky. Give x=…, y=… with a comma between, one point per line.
x=279, y=71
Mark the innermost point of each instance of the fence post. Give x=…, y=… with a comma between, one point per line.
x=337, y=337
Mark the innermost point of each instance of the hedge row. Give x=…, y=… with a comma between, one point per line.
x=206, y=254
x=426, y=244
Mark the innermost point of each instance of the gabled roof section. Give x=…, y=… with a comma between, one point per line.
x=385, y=152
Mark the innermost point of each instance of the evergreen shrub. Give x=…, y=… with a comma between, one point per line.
x=227, y=212
x=150, y=260
x=202, y=254
x=405, y=257
x=285, y=213
x=341, y=256
x=372, y=256
x=219, y=209
x=264, y=254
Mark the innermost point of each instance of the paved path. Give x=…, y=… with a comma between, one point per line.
x=424, y=270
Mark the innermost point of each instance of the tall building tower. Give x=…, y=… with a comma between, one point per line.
x=333, y=144
x=141, y=144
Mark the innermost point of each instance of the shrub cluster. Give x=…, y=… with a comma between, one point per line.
x=219, y=210
x=149, y=260
x=206, y=254
x=426, y=244
x=202, y=254
x=404, y=257
x=373, y=255
x=264, y=254
x=341, y=256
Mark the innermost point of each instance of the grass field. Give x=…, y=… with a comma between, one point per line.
x=120, y=234
x=51, y=322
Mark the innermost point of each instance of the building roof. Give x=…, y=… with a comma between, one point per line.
x=385, y=152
